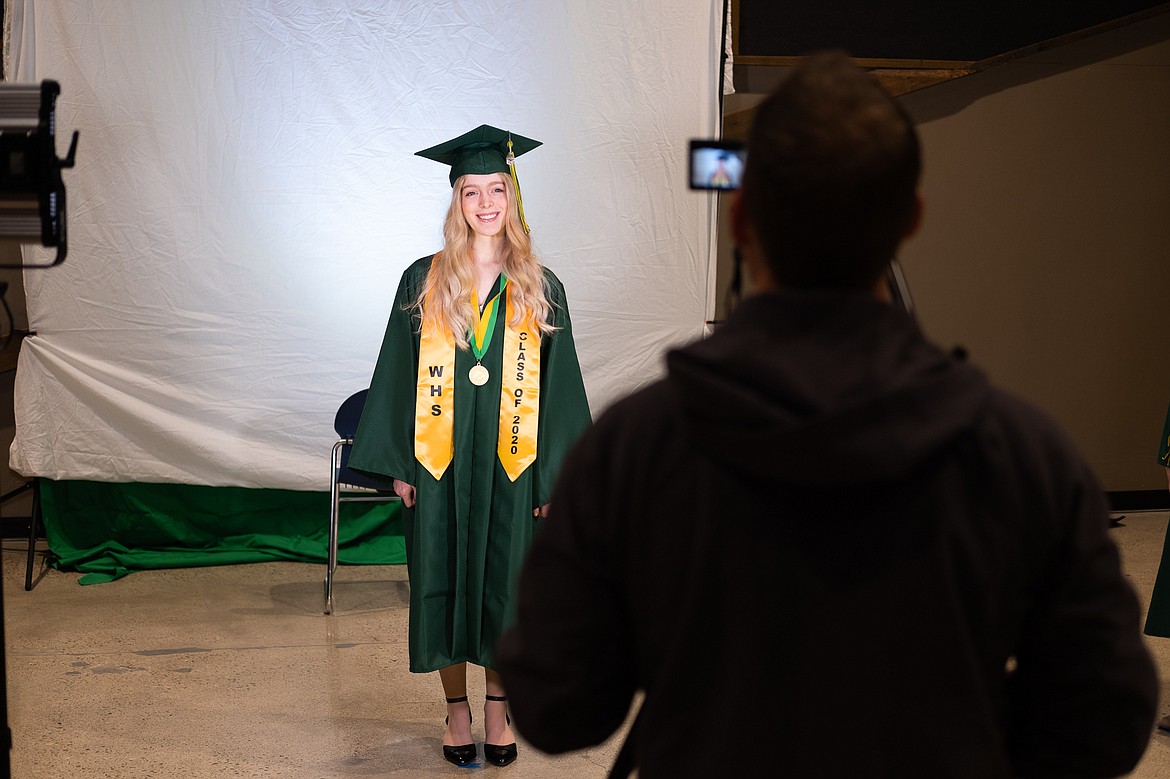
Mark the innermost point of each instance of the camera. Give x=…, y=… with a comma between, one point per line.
x=716, y=164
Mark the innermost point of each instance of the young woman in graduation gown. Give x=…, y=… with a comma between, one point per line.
x=476, y=396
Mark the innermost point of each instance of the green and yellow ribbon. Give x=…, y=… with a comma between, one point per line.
x=479, y=335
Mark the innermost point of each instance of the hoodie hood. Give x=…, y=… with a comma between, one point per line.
x=823, y=388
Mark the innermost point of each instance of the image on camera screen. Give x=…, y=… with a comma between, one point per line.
x=716, y=165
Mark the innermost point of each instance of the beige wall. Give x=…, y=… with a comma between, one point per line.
x=1046, y=246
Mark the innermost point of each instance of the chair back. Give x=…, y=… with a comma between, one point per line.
x=346, y=424
x=349, y=413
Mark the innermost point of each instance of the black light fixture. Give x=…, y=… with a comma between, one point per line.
x=32, y=194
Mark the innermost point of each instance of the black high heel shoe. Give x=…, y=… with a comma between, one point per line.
x=464, y=754
x=500, y=754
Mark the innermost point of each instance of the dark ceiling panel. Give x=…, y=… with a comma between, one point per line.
x=917, y=29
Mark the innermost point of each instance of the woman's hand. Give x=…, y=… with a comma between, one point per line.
x=404, y=491
x=541, y=512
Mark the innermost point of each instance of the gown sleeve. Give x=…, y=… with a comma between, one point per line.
x=384, y=443
x=564, y=409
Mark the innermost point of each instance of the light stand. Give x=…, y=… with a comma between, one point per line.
x=32, y=210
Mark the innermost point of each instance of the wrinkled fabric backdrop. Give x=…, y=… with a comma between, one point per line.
x=246, y=196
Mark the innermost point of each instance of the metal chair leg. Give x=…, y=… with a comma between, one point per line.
x=334, y=511
x=34, y=523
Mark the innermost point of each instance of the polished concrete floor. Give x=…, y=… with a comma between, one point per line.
x=235, y=672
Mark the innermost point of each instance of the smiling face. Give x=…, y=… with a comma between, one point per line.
x=484, y=199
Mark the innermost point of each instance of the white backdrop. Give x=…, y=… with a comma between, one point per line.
x=246, y=197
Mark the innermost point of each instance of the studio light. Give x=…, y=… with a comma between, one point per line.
x=32, y=194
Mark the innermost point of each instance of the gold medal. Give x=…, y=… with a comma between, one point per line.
x=479, y=336
x=478, y=375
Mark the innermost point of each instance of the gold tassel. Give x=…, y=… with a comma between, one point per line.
x=511, y=160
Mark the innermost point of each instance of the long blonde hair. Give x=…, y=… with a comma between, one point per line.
x=445, y=300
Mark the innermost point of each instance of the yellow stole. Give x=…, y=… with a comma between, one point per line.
x=434, y=409
x=519, y=396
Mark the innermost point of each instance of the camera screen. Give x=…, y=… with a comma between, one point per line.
x=716, y=164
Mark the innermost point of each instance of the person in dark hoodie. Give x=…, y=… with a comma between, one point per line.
x=821, y=546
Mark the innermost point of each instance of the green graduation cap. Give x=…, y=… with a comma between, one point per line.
x=484, y=150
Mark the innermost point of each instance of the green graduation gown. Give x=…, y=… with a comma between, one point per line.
x=1164, y=443
x=1158, y=618
x=469, y=531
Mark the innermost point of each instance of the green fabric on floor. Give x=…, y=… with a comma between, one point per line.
x=109, y=530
